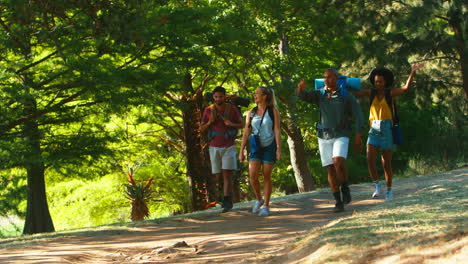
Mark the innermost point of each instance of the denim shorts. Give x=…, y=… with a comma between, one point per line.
x=267, y=155
x=380, y=134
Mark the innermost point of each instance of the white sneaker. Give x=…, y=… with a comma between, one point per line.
x=378, y=190
x=265, y=211
x=257, y=205
x=389, y=196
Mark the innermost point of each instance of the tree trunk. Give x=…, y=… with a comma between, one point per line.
x=461, y=40
x=302, y=174
x=198, y=167
x=297, y=153
x=38, y=218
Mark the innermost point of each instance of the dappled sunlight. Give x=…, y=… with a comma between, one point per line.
x=368, y=230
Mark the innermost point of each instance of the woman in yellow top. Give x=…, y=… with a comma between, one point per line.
x=381, y=118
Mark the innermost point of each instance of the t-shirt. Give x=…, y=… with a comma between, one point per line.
x=219, y=126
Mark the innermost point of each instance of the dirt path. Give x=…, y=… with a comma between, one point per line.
x=234, y=237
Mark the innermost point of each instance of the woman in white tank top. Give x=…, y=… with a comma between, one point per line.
x=261, y=122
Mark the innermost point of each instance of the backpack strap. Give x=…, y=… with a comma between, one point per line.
x=227, y=111
x=373, y=93
x=272, y=116
x=323, y=91
x=252, y=114
x=348, y=110
x=229, y=132
x=388, y=96
x=270, y=112
x=213, y=110
x=390, y=102
x=396, y=118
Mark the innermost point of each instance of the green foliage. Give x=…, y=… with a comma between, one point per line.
x=139, y=191
x=79, y=203
x=10, y=226
x=12, y=193
x=103, y=84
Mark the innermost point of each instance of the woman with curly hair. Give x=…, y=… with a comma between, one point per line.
x=381, y=119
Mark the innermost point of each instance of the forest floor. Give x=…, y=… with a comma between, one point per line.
x=426, y=223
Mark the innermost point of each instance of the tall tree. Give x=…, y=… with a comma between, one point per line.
x=63, y=64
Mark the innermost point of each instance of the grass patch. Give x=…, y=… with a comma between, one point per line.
x=432, y=215
x=10, y=226
x=10, y=230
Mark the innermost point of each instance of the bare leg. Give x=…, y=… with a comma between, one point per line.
x=254, y=169
x=267, y=186
x=342, y=175
x=227, y=176
x=332, y=178
x=219, y=182
x=341, y=170
x=387, y=165
x=371, y=162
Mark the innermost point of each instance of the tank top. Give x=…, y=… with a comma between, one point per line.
x=266, y=132
x=380, y=110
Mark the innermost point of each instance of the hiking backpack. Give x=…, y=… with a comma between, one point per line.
x=232, y=132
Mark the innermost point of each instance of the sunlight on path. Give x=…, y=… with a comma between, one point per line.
x=234, y=237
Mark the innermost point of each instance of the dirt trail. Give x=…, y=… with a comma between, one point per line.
x=234, y=237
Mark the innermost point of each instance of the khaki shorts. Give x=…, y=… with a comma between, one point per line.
x=223, y=158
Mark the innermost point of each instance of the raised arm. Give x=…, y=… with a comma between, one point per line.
x=360, y=93
x=311, y=97
x=301, y=86
x=406, y=87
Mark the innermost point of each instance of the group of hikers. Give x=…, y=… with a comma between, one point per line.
x=338, y=110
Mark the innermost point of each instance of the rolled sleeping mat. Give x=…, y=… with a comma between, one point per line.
x=343, y=82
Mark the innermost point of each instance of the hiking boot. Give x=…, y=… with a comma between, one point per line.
x=378, y=190
x=265, y=211
x=227, y=204
x=257, y=205
x=346, y=194
x=339, y=207
x=389, y=195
